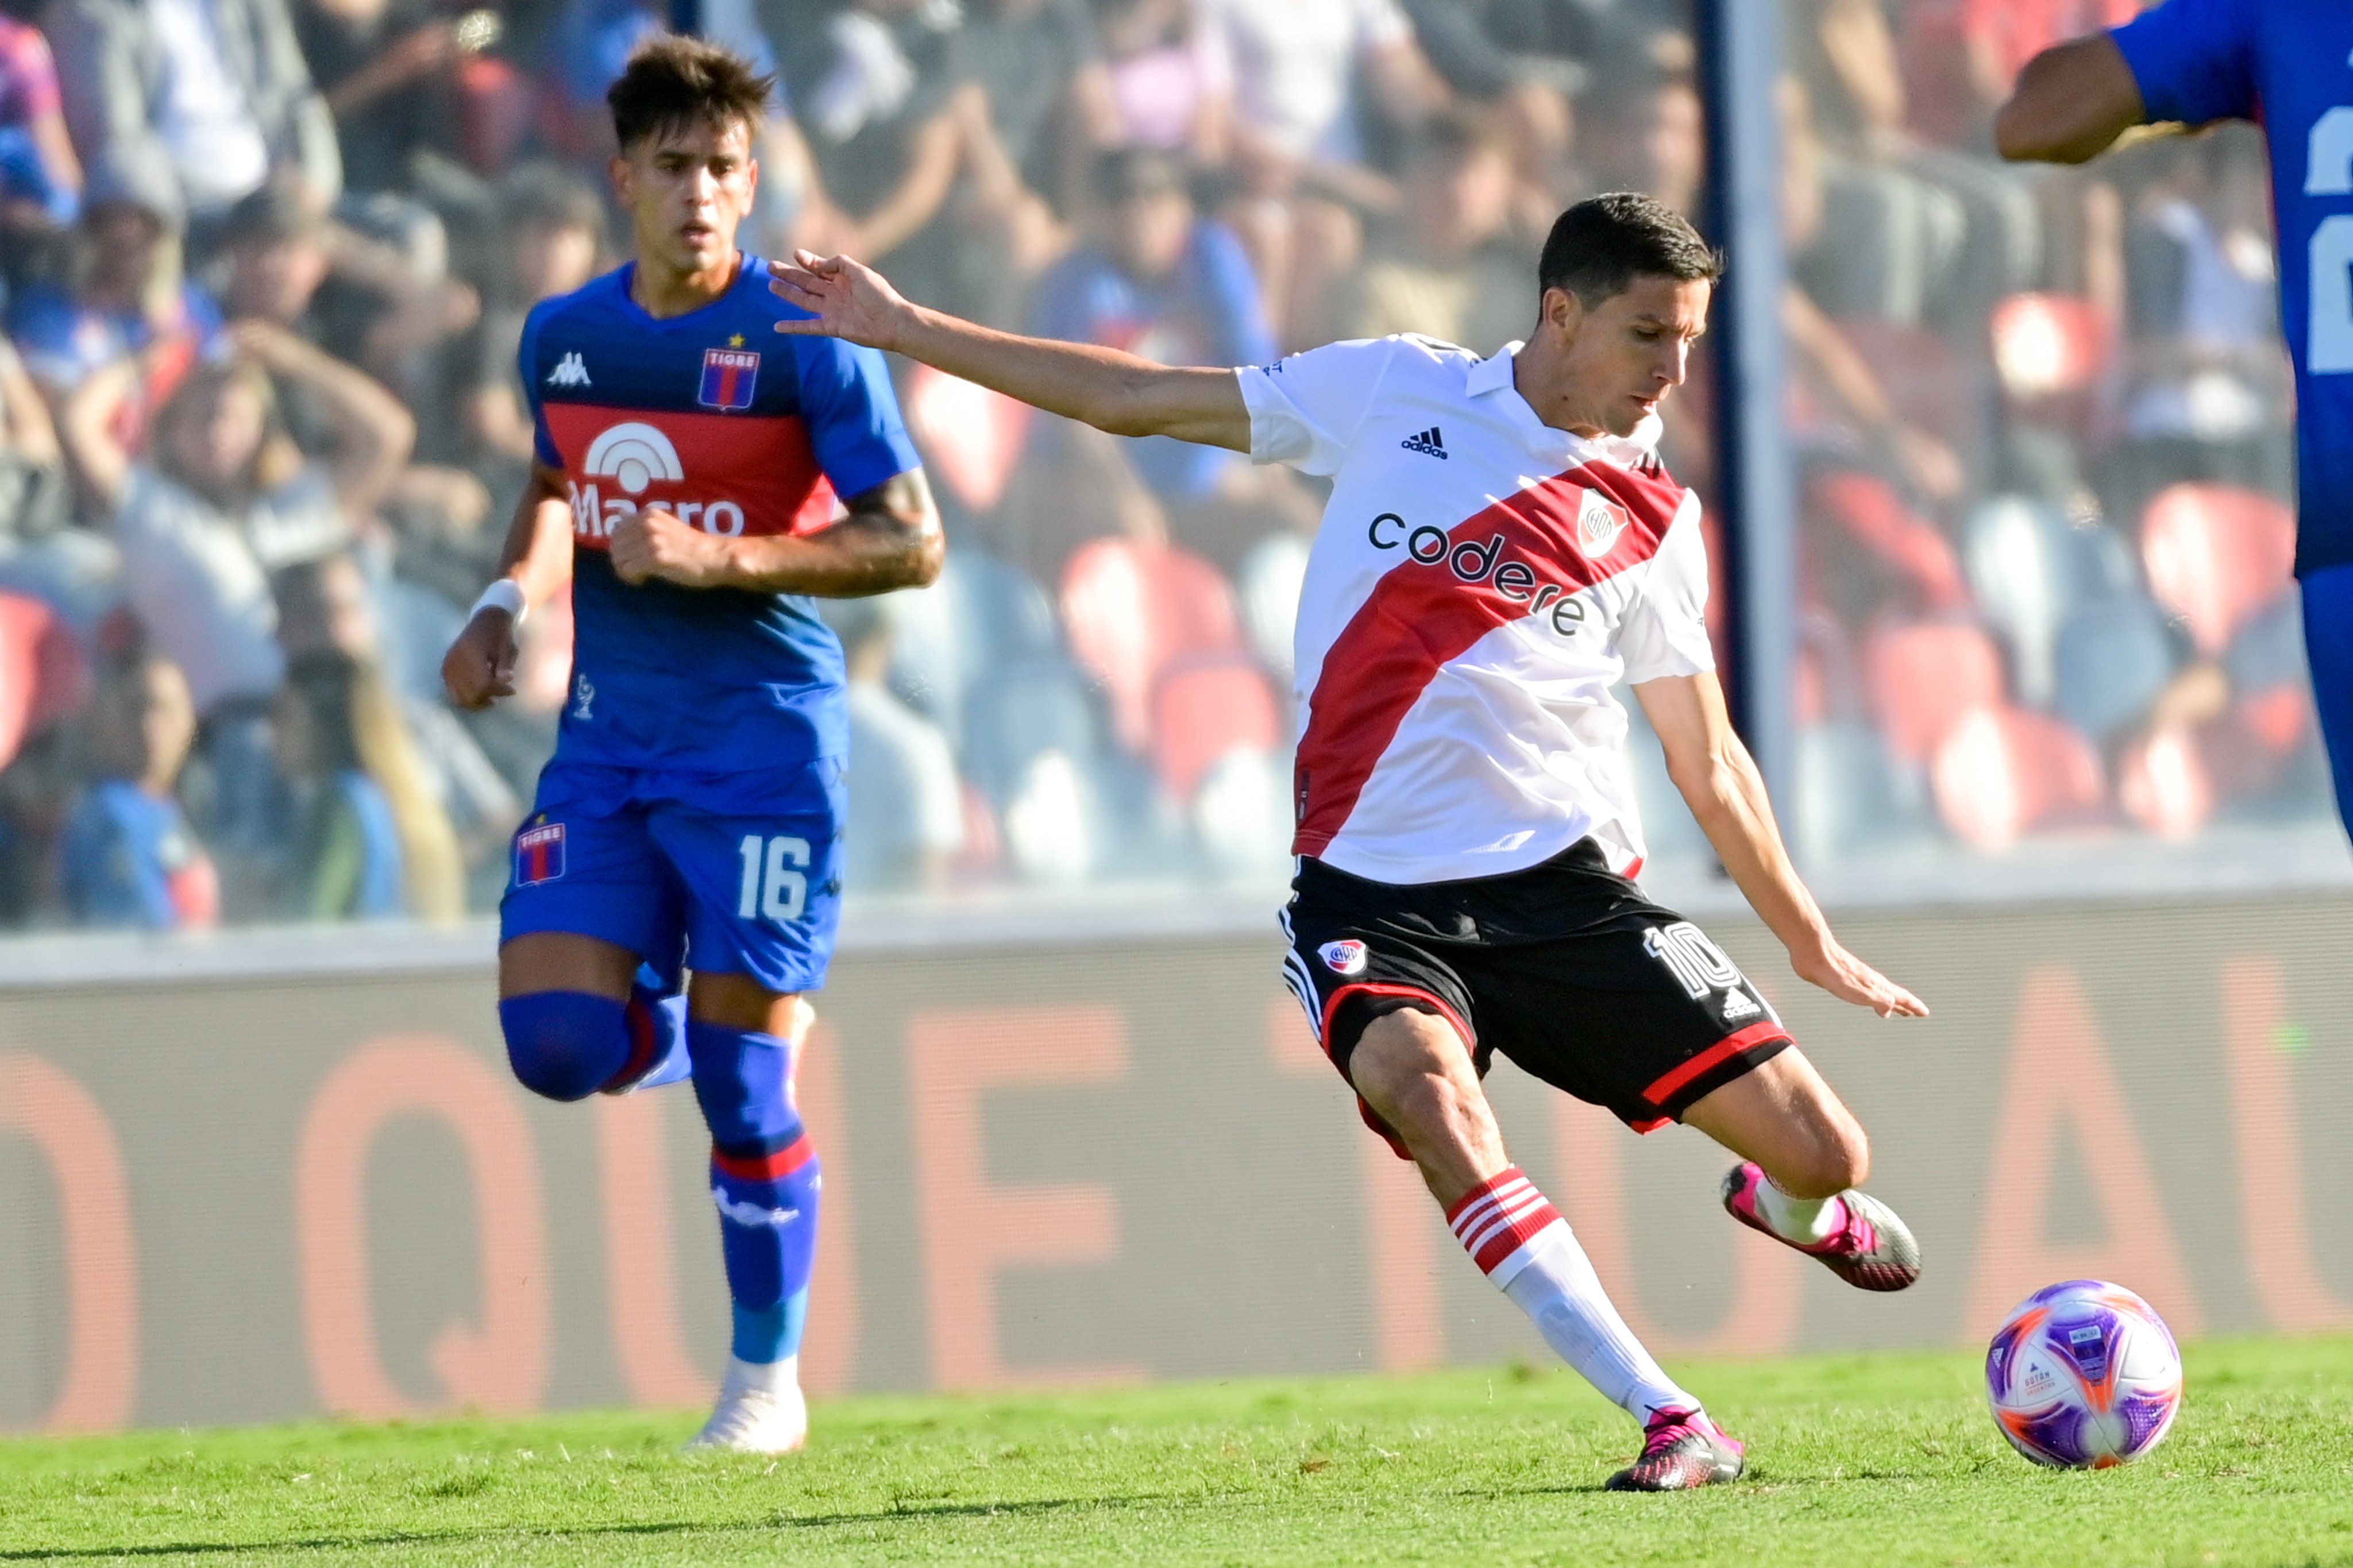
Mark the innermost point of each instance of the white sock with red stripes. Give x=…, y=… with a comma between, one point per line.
x=1513, y=1231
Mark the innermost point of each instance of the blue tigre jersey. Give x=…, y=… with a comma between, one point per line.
x=2289, y=65
x=737, y=429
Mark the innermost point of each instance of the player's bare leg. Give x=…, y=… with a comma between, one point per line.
x=1416, y=1074
x=1804, y=1160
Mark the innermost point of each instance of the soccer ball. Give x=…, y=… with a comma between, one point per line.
x=2084, y=1375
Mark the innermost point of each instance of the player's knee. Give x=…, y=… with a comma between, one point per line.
x=1837, y=1157
x=1412, y=1070
x=565, y=1045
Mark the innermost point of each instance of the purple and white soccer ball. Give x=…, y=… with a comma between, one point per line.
x=2083, y=1376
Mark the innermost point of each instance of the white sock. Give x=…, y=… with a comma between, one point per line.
x=771, y=1377
x=1516, y=1234
x=1802, y=1220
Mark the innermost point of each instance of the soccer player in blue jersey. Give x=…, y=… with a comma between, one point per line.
x=2288, y=65
x=698, y=478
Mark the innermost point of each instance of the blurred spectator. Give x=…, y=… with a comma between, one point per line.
x=225, y=499
x=1644, y=130
x=385, y=68
x=123, y=293
x=2210, y=393
x=33, y=503
x=326, y=607
x=1157, y=279
x=212, y=94
x=127, y=856
x=554, y=243
x=1171, y=79
x=40, y=177
x=906, y=805
x=1442, y=266
x=352, y=294
x=1307, y=74
x=370, y=841
x=1961, y=56
x=872, y=84
x=1516, y=60
x=1039, y=68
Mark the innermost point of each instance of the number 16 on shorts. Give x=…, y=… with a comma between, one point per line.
x=776, y=877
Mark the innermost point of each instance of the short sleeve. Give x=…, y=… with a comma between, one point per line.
x=2193, y=59
x=1665, y=630
x=853, y=415
x=543, y=439
x=1305, y=410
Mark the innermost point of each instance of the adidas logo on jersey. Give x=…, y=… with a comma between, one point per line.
x=1737, y=1003
x=1428, y=442
x=569, y=372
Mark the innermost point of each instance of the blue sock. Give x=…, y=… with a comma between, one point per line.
x=566, y=1045
x=764, y=1180
x=2328, y=646
x=657, y=1019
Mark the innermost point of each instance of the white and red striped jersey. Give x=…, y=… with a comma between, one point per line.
x=1479, y=582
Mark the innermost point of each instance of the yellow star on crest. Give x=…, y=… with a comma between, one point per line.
x=736, y=341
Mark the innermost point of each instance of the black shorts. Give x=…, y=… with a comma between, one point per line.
x=1564, y=967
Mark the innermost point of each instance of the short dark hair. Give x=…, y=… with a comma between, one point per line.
x=672, y=82
x=1603, y=243
x=1128, y=172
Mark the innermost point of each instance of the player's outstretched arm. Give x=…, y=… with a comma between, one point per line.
x=891, y=540
x=479, y=666
x=1719, y=780
x=2071, y=104
x=1121, y=393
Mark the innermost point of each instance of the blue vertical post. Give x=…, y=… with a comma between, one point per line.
x=1740, y=63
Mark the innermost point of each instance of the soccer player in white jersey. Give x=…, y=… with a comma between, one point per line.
x=1502, y=547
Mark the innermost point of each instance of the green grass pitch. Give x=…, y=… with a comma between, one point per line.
x=1883, y=1459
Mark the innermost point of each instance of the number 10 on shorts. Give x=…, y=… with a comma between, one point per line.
x=776, y=877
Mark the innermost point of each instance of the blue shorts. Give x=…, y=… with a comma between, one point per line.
x=726, y=874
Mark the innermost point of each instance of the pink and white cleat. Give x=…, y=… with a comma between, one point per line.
x=1873, y=1250
x=1680, y=1449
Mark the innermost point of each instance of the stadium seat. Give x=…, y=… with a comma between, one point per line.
x=2163, y=783
x=2020, y=571
x=1923, y=677
x=2219, y=555
x=1131, y=609
x=1203, y=708
x=2003, y=772
x=1869, y=511
x=2109, y=662
x=2048, y=346
x=971, y=437
x=44, y=676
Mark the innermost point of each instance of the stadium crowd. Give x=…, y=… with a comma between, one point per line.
x=267, y=261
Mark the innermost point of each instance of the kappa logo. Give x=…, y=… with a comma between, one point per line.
x=1599, y=521
x=569, y=372
x=1428, y=442
x=1346, y=957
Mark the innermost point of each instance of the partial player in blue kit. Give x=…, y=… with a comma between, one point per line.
x=2287, y=65
x=698, y=478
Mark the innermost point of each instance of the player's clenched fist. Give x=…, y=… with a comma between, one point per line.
x=479, y=666
x=655, y=543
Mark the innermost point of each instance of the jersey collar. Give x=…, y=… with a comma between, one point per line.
x=1493, y=374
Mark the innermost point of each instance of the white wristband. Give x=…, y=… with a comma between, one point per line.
x=503, y=594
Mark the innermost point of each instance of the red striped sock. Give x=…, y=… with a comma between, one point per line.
x=1498, y=1218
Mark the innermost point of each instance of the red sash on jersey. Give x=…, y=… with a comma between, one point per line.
x=723, y=473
